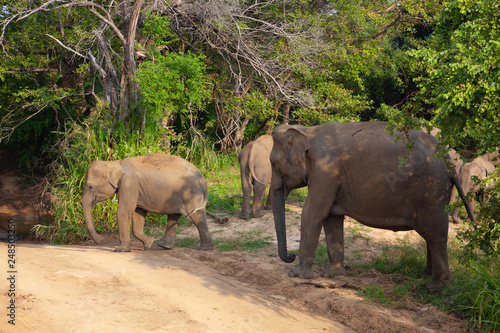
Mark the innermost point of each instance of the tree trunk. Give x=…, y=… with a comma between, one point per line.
x=128, y=86
x=286, y=113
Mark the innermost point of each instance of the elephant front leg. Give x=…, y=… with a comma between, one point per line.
x=123, y=216
x=138, y=219
x=334, y=232
x=309, y=238
x=168, y=239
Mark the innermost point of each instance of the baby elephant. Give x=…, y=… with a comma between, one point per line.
x=255, y=169
x=156, y=183
x=480, y=168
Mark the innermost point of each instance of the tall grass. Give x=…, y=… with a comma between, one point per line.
x=473, y=292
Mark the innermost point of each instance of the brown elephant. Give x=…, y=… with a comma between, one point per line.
x=493, y=157
x=480, y=168
x=354, y=169
x=255, y=170
x=156, y=183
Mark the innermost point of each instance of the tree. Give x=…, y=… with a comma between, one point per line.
x=461, y=81
x=111, y=28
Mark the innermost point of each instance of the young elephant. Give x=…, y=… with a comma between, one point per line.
x=480, y=168
x=156, y=183
x=255, y=169
x=354, y=169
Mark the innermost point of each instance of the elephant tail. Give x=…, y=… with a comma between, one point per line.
x=203, y=205
x=251, y=167
x=455, y=181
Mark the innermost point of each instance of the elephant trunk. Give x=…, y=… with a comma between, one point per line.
x=279, y=192
x=87, y=214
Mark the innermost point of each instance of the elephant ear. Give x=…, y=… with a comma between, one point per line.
x=115, y=173
x=296, y=147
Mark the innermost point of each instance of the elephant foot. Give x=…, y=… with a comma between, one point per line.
x=244, y=216
x=149, y=241
x=331, y=272
x=167, y=243
x=122, y=249
x=297, y=271
x=257, y=214
x=435, y=285
x=206, y=247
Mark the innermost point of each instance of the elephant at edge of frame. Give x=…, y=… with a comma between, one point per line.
x=156, y=183
x=255, y=171
x=480, y=168
x=354, y=169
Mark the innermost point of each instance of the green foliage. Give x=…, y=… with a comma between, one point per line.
x=173, y=84
x=473, y=294
x=158, y=27
x=484, y=232
x=462, y=72
x=484, y=298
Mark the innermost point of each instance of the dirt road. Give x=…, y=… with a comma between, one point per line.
x=92, y=289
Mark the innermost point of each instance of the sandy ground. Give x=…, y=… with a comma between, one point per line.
x=89, y=288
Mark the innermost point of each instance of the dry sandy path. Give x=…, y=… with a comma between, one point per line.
x=92, y=289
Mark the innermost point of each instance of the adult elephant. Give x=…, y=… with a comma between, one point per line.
x=156, y=183
x=355, y=169
x=255, y=171
x=480, y=168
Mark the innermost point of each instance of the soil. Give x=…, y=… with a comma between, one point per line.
x=89, y=288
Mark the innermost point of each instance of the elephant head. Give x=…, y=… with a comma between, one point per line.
x=289, y=163
x=101, y=183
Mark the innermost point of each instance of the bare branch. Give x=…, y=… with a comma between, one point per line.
x=67, y=47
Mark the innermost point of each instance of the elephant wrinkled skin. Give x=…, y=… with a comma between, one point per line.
x=354, y=169
x=255, y=171
x=156, y=183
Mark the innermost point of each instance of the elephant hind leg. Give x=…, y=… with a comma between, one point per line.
x=258, y=199
x=199, y=218
x=437, y=253
x=138, y=218
x=334, y=232
x=168, y=239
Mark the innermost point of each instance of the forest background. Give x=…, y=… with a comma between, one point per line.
x=87, y=80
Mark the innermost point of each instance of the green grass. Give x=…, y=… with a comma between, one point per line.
x=245, y=241
x=375, y=294
x=224, y=190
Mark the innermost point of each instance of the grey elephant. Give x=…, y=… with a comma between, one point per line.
x=354, y=169
x=156, y=183
x=255, y=170
x=480, y=168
